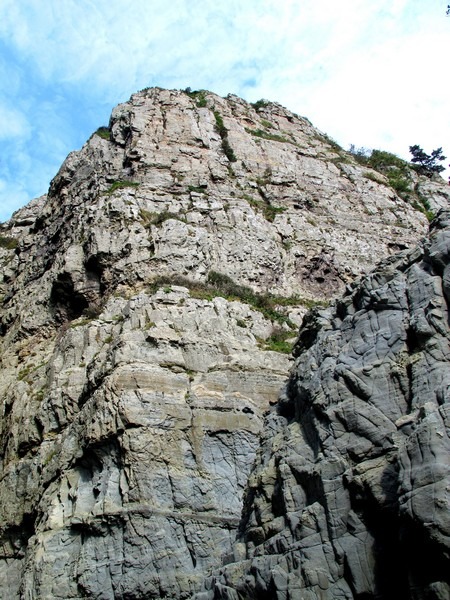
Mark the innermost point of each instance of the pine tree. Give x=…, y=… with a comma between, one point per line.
x=427, y=163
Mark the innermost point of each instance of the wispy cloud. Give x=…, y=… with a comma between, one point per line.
x=357, y=69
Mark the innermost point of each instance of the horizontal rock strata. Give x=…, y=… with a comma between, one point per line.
x=148, y=302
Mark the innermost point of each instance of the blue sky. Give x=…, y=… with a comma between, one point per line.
x=369, y=73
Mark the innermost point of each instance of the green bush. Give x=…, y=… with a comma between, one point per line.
x=381, y=160
x=424, y=206
x=269, y=210
x=266, y=124
x=228, y=150
x=159, y=218
x=329, y=140
x=361, y=155
x=199, y=189
x=150, y=218
x=396, y=169
x=8, y=242
x=198, y=95
x=221, y=129
x=277, y=341
x=103, y=132
x=146, y=217
x=218, y=284
x=267, y=136
x=117, y=185
x=223, y=132
x=399, y=182
x=262, y=103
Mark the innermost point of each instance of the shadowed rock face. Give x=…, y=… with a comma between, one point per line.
x=132, y=407
x=350, y=494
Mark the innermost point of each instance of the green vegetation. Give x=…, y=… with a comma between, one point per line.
x=299, y=301
x=328, y=140
x=40, y=394
x=379, y=160
x=265, y=179
x=23, y=373
x=374, y=177
x=221, y=129
x=426, y=164
x=382, y=161
x=8, y=242
x=149, y=218
x=228, y=150
x=28, y=370
x=277, y=341
x=198, y=95
x=361, y=154
x=398, y=172
x=159, y=218
x=146, y=217
x=424, y=206
x=80, y=322
x=267, y=136
x=218, y=284
x=269, y=211
x=394, y=168
x=266, y=124
x=262, y=103
x=117, y=185
x=223, y=132
x=199, y=189
x=103, y=132
x=50, y=456
x=400, y=183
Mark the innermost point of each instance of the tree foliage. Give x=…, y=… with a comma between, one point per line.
x=427, y=164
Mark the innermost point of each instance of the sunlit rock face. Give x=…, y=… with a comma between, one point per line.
x=350, y=494
x=147, y=304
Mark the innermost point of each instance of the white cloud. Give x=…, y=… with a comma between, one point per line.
x=13, y=123
x=369, y=73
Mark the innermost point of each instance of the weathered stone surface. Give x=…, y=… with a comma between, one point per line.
x=134, y=453
x=132, y=406
x=292, y=213
x=350, y=494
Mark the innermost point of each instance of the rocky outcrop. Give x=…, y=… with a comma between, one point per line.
x=147, y=305
x=350, y=495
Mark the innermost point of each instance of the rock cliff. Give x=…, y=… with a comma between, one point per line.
x=148, y=302
x=349, y=497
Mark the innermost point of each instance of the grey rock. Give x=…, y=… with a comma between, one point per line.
x=133, y=392
x=349, y=495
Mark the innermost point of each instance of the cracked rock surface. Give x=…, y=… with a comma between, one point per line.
x=350, y=495
x=139, y=354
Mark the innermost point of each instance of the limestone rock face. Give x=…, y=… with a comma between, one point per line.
x=350, y=494
x=145, y=304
